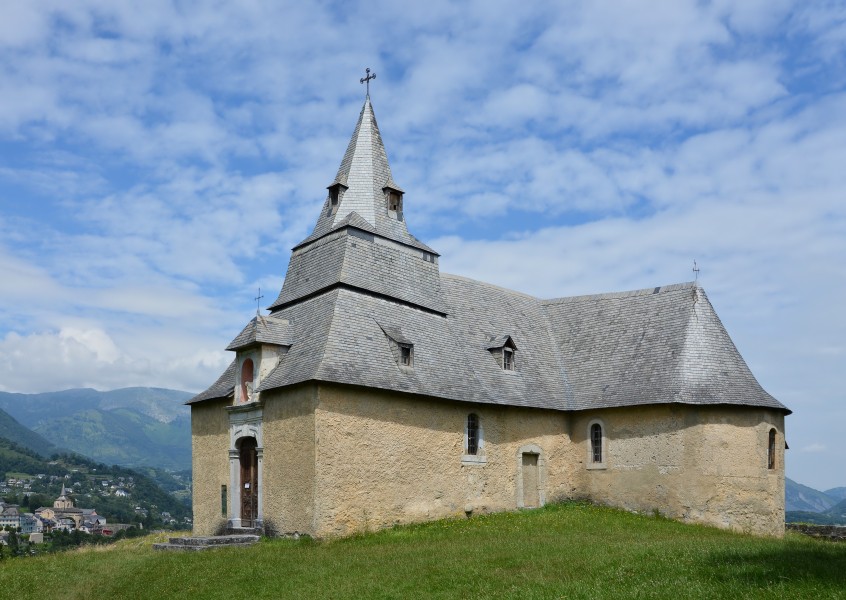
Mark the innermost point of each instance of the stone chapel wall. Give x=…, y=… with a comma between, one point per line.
x=209, y=463
x=701, y=464
x=384, y=458
x=289, y=446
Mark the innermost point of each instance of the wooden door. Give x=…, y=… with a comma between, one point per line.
x=530, y=480
x=249, y=482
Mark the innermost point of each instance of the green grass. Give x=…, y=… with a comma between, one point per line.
x=561, y=551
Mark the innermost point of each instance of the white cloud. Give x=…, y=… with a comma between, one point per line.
x=77, y=357
x=813, y=448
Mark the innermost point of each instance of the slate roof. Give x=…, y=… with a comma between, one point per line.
x=266, y=330
x=345, y=339
x=654, y=346
x=359, y=259
x=361, y=283
x=657, y=345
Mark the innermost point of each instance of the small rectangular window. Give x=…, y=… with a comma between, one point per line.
x=472, y=433
x=223, y=500
x=771, y=446
x=394, y=200
x=507, y=359
x=405, y=356
x=335, y=197
x=596, y=442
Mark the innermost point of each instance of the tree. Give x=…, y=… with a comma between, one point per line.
x=14, y=547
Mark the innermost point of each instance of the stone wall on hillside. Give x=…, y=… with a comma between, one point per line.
x=830, y=532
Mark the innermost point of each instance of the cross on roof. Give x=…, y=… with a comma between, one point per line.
x=367, y=79
x=257, y=298
x=695, y=270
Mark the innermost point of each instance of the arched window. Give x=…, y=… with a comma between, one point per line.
x=472, y=434
x=596, y=443
x=246, y=380
x=771, y=449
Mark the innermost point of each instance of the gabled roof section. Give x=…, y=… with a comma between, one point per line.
x=395, y=333
x=363, y=174
x=500, y=341
x=262, y=330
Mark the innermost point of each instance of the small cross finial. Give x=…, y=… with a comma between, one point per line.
x=695, y=271
x=367, y=79
x=257, y=298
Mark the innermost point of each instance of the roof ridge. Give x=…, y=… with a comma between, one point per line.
x=490, y=285
x=673, y=287
x=363, y=225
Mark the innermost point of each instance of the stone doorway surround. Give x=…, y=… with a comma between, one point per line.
x=531, y=456
x=245, y=421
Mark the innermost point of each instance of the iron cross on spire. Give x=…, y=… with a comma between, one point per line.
x=367, y=79
x=696, y=271
x=257, y=298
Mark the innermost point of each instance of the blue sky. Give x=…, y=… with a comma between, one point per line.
x=159, y=159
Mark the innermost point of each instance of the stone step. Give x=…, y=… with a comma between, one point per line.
x=206, y=542
x=215, y=540
x=189, y=548
x=243, y=531
x=180, y=547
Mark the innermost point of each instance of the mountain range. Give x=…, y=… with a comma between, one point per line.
x=807, y=505
x=131, y=427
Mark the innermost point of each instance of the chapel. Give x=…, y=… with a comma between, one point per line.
x=379, y=390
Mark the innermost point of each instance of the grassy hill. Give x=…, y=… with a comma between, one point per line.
x=10, y=429
x=131, y=427
x=561, y=551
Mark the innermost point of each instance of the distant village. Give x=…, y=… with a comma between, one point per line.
x=64, y=514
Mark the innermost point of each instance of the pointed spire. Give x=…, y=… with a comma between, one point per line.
x=364, y=170
x=364, y=194
x=364, y=189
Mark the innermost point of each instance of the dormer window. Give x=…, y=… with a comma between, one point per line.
x=336, y=191
x=401, y=346
x=504, y=350
x=393, y=199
